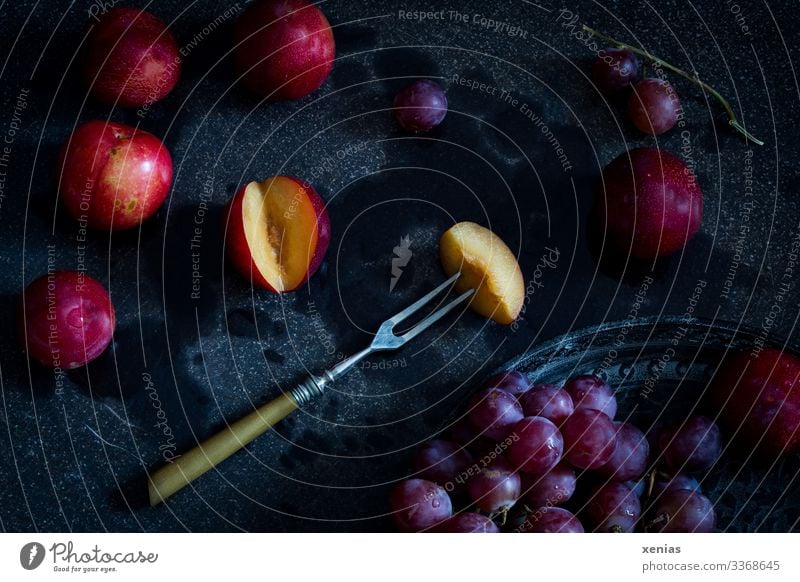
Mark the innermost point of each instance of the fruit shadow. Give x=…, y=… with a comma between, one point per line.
x=616, y=263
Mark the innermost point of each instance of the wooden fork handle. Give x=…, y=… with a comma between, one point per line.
x=189, y=466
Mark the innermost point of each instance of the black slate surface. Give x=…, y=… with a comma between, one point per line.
x=74, y=458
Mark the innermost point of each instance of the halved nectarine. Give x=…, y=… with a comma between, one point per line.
x=486, y=265
x=277, y=232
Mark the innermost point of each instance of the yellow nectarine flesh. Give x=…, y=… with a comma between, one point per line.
x=486, y=265
x=281, y=231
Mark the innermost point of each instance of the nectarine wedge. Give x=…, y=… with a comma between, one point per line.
x=486, y=265
x=277, y=232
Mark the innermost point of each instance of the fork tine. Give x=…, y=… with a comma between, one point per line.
x=436, y=316
x=419, y=303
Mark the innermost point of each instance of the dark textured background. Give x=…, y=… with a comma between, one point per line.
x=75, y=460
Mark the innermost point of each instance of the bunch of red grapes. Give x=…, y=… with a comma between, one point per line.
x=516, y=459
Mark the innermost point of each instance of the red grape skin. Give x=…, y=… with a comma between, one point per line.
x=589, y=391
x=555, y=487
x=539, y=447
x=614, y=508
x=649, y=203
x=468, y=522
x=691, y=446
x=682, y=511
x=421, y=106
x=493, y=412
x=418, y=504
x=441, y=461
x=653, y=106
x=590, y=438
x=629, y=460
x=615, y=69
x=496, y=488
x=551, y=520
x=515, y=383
x=547, y=400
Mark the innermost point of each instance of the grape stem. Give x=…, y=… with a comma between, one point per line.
x=693, y=78
x=651, y=482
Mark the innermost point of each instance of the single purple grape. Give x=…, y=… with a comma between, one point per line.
x=614, y=508
x=538, y=447
x=653, y=106
x=515, y=383
x=493, y=412
x=591, y=392
x=421, y=106
x=682, y=511
x=590, y=438
x=496, y=488
x=691, y=446
x=615, y=69
x=555, y=487
x=418, y=504
x=629, y=460
x=547, y=400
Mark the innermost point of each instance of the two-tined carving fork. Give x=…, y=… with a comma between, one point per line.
x=205, y=456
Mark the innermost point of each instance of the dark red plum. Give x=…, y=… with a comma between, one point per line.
x=283, y=49
x=649, y=203
x=65, y=319
x=759, y=396
x=130, y=58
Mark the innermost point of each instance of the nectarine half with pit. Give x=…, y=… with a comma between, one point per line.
x=486, y=265
x=277, y=232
